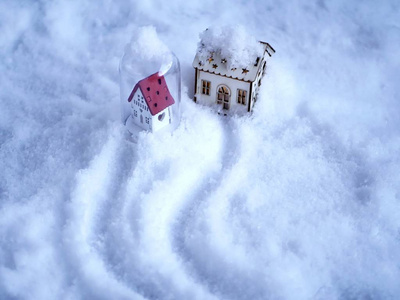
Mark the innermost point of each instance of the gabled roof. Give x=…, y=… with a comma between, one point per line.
x=218, y=65
x=155, y=92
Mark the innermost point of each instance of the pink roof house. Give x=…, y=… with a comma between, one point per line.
x=150, y=102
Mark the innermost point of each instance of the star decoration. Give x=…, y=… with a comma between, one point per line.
x=200, y=63
x=233, y=69
x=210, y=59
x=215, y=66
x=223, y=61
x=245, y=71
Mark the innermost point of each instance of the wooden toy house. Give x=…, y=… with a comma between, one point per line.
x=229, y=88
x=150, y=102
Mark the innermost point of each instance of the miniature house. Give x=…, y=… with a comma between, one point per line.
x=229, y=88
x=150, y=102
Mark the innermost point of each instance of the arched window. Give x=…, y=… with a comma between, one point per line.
x=223, y=96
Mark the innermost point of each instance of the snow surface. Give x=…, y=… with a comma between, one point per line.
x=301, y=200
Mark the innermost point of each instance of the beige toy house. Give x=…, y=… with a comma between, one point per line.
x=227, y=88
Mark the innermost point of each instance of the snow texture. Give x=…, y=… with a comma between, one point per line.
x=233, y=43
x=146, y=44
x=300, y=200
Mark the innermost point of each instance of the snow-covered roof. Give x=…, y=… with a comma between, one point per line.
x=231, y=51
x=217, y=64
x=155, y=92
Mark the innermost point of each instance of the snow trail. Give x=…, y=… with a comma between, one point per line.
x=151, y=200
x=87, y=213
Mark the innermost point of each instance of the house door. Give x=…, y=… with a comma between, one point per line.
x=141, y=119
x=224, y=96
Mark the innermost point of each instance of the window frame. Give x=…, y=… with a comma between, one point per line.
x=224, y=96
x=205, y=87
x=241, y=96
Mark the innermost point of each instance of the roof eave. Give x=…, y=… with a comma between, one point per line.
x=236, y=78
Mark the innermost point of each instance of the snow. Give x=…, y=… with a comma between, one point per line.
x=300, y=200
x=234, y=43
x=146, y=44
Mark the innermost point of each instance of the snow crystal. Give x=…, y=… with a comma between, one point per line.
x=233, y=43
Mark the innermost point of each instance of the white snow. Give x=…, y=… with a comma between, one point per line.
x=300, y=200
x=146, y=44
x=234, y=43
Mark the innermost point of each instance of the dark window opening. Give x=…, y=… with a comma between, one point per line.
x=206, y=85
x=159, y=81
x=241, y=97
x=223, y=97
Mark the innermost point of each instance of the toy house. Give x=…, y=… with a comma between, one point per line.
x=228, y=87
x=150, y=102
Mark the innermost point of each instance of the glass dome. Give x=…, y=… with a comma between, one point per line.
x=150, y=84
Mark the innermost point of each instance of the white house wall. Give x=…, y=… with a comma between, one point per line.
x=157, y=124
x=216, y=81
x=256, y=86
x=142, y=117
x=254, y=92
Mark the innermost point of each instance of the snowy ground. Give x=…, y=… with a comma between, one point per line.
x=301, y=200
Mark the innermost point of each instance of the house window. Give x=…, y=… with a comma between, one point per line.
x=241, y=96
x=147, y=120
x=223, y=96
x=205, y=87
x=135, y=113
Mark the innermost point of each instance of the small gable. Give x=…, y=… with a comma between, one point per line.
x=155, y=91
